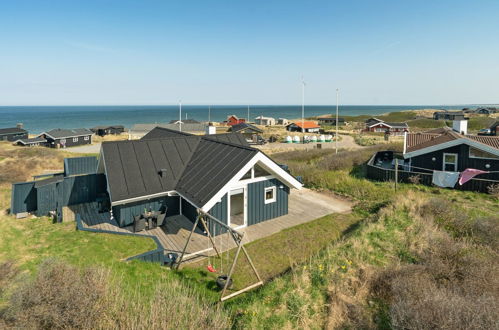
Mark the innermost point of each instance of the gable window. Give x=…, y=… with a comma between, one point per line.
x=477, y=153
x=450, y=162
x=248, y=175
x=259, y=171
x=75, y=139
x=270, y=195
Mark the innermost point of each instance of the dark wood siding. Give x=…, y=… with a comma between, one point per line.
x=124, y=213
x=13, y=137
x=23, y=197
x=258, y=211
x=463, y=161
x=69, y=141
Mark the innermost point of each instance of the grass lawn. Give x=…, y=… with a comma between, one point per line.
x=276, y=254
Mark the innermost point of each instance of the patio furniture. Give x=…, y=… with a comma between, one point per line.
x=139, y=223
x=161, y=219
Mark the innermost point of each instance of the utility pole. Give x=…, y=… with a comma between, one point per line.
x=180, y=115
x=336, y=137
x=303, y=105
x=396, y=172
x=248, y=114
x=209, y=114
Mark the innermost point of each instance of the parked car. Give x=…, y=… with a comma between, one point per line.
x=485, y=131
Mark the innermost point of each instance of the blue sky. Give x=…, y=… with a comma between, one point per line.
x=248, y=52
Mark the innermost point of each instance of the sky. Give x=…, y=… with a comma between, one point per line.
x=249, y=52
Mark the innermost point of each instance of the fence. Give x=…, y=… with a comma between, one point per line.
x=384, y=174
x=157, y=255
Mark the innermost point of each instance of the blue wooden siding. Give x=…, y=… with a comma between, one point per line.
x=258, y=211
x=219, y=211
x=80, y=165
x=124, y=213
x=23, y=197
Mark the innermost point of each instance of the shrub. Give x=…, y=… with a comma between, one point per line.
x=493, y=189
x=59, y=297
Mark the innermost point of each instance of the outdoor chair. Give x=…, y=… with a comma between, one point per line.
x=139, y=223
x=161, y=219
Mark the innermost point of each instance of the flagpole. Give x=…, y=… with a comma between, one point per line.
x=180, y=115
x=209, y=114
x=336, y=137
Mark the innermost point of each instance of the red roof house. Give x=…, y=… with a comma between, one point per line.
x=233, y=120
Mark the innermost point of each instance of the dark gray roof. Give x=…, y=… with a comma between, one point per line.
x=60, y=133
x=12, y=130
x=243, y=126
x=106, y=127
x=54, y=179
x=403, y=125
x=195, y=166
x=163, y=132
x=185, y=121
x=80, y=165
x=32, y=140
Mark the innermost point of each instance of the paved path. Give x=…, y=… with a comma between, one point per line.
x=88, y=149
x=346, y=142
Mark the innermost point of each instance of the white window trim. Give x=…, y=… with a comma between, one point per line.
x=75, y=139
x=470, y=156
x=86, y=138
x=274, y=194
x=445, y=163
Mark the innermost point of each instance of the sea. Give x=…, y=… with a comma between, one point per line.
x=37, y=119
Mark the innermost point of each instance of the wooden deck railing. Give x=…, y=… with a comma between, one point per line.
x=384, y=174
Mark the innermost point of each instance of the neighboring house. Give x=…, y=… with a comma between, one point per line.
x=185, y=121
x=13, y=133
x=233, y=120
x=63, y=138
x=486, y=111
x=265, y=121
x=139, y=130
x=306, y=126
x=219, y=174
x=494, y=129
x=445, y=149
x=250, y=132
x=33, y=142
x=448, y=115
x=282, y=121
x=380, y=126
x=330, y=121
x=107, y=130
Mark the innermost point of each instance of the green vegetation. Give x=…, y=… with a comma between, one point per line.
x=422, y=257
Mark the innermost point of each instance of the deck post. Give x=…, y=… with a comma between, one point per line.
x=239, y=246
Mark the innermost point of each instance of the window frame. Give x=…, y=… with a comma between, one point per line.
x=455, y=163
x=75, y=139
x=477, y=157
x=274, y=194
x=86, y=138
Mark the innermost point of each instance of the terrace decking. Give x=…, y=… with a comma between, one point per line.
x=304, y=206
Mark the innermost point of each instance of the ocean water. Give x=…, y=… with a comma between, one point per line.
x=37, y=119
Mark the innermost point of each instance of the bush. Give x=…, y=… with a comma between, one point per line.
x=59, y=297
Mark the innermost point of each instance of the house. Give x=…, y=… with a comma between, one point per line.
x=63, y=138
x=13, y=133
x=492, y=130
x=448, y=115
x=330, y=121
x=139, y=130
x=250, y=132
x=486, y=111
x=32, y=142
x=282, y=121
x=185, y=121
x=446, y=149
x=265, y=121
x=107, y=130
x=306, y=126
x=233, y=120
x=378, y=125
x=218, y=174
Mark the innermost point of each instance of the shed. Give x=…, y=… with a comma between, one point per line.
x=307, y=126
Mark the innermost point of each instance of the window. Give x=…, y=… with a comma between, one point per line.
x=270, y=195
x=477, y=153
x=450, y=162
x=247, y=175
x=86, y=138
x=259, y=171
x=75, y=139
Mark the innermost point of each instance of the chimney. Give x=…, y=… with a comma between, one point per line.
x=211, y=130
x=460, y=126
x=19, y=125
x=162, y=172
